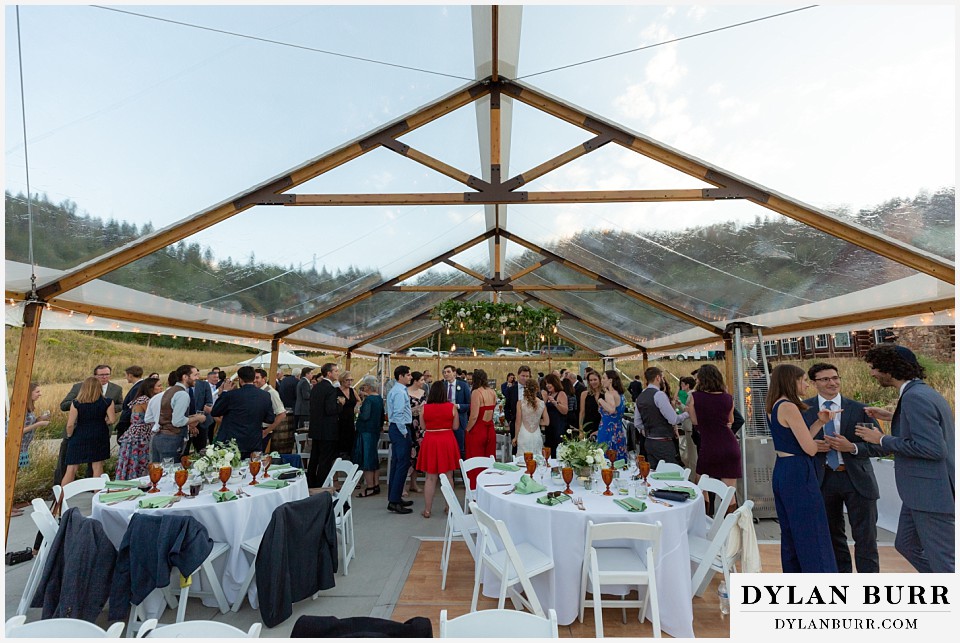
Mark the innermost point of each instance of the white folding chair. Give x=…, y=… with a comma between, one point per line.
x=344, y=518
x=340, y=465
x=472, y=464
x=724, y=496
x=48, y=527
x=667, y=467
x=459, y=525
x=300, y=439
x=499, y=624
x=77, y=487
x=513, y=564
x=711, y=555
x=196, y=630
x=622, y=565
x=68, y=628
x=210, y=581
x=384, y=450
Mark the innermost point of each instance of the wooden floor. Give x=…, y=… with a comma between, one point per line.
x=421, y=595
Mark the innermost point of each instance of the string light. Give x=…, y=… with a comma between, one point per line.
x=89, y=319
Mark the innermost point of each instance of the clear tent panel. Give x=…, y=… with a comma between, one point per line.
x=678, y=252
x=287, y=263
x=375, y=314
x=415, y=333
x=586, y=336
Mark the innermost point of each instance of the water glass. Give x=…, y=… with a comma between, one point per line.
x=639, y=489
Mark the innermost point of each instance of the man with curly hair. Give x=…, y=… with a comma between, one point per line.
x=922, y=439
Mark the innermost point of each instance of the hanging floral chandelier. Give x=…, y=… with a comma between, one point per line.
x=487, y=317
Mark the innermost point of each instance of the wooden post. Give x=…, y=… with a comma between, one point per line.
x=346, y=365
x=728, y=362
x=274, y=361
x=18, y=403
x=646, y=362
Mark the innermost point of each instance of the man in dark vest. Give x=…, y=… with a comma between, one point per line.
x=659, y=419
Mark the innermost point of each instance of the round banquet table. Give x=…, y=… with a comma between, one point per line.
x=560, y=532
x=230, y=522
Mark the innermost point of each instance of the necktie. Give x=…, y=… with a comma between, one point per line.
x=830, y=428
x=193, y=408
x=450, y=392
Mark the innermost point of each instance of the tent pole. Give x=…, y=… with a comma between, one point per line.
x=728, y=362
x=18, y=405
x=274, y=361
x=646, y=362
x=347, y=363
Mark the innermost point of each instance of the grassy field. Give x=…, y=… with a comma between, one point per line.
x=65, y=357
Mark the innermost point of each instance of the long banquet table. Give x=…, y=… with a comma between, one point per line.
x=230, y=522
x=560, y=532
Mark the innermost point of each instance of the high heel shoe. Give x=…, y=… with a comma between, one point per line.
x=425, y=513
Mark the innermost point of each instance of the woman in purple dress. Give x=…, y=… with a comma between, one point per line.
x=711, y=411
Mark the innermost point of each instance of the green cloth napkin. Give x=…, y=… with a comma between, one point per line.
x=275, y=455
x=690, y=491
x=117, y=496
x=281, y=467
x=154, y=502
x=620, y=464
x=631, y=504
x=544, y=500
x=223, y=496
x=667, y=475
x=503, y=466
x=122, y=484
x=528, y=485
x=270, y=483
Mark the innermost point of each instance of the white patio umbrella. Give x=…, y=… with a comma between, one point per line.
x=285, y=358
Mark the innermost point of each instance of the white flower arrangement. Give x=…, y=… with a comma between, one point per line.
x=580, y=453
x=217, y=456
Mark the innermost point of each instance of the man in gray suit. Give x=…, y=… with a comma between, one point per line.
x=201, y=401
x=922, y=440
x=845, y=472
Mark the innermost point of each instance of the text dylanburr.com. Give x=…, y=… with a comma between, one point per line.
x=856, y=605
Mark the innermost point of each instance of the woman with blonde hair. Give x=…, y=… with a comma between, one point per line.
x=88, y=434
x=805, y=544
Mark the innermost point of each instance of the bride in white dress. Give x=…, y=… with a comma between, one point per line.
x=531, y=415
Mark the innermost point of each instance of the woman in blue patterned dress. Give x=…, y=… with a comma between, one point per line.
x=611, y=414
x=135, y=441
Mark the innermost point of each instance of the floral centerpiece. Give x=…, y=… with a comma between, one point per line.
x=216, y=456
x=581, y=454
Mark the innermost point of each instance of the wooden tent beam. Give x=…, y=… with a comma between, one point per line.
x=434, y=164
x=18, y=403
x=589, y=324
x=733, y=186
x=264, y=193
x=502, y=288
x=494, y=197
x=529, y=269
x=467, y=271
x=383, y=285
x=557, y=161
x=274, y=361
x=650, y=301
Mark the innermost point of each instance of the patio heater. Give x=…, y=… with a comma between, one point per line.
x=384, y=375
x=751, y=381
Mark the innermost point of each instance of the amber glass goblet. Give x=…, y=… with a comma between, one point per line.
x=607, y=475
x=531, y=466
x=546, y=455
x=185, y=462
x=156, y=472
x=567, y=473
x=180, y=477
x=645, y=471
x=254, y=470
x=265, y=462
x=527, y=455
x=611, y=456
x=225, y=473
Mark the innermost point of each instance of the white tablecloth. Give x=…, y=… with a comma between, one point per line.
x=229, y=522
x=560, y=532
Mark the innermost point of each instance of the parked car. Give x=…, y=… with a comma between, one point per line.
x=558, y=349
x=694, y=355
x=511, y=351
x=420, y=351
x=535, y=353
x=482, y=352
x=462, y=351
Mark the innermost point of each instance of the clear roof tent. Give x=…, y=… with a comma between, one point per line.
x=631, y=253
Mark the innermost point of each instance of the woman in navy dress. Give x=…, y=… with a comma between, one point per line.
x=369, y=426
x=804, y=535
x=88, y=437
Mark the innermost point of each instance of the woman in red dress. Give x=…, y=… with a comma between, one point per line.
x=439, y=451
x=481, y=438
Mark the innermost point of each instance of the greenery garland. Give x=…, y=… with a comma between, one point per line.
x=485, y=316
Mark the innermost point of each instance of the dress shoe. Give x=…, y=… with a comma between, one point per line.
x=397, y=508
x=406, y=503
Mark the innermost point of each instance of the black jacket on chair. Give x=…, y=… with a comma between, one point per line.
x=297, y=556
x=79, y=570
x=151, y=547
x=331, y=627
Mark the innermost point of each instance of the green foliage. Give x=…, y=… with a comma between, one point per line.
x=485, y=316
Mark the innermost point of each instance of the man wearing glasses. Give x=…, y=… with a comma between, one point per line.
x=845, y=471
x=110, y=390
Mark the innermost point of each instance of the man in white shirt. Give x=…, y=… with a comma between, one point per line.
x=260, y=379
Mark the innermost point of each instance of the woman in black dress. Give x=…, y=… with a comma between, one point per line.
x=589, y=409
x=88, y=437
x=417, y=399
x=346, y=429
x=556, y=400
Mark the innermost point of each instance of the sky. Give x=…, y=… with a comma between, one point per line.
x=142, y=120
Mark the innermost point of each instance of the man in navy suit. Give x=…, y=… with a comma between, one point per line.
x=845, y=472
x=201, y=401
x=923, y=443
x=243, y=412
x=459, y=393
x=134, y=375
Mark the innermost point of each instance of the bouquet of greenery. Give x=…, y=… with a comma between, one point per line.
x=578, y=453
x=216, y=456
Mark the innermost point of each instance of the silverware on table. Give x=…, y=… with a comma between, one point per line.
x=507, y=492
x=505, y=484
